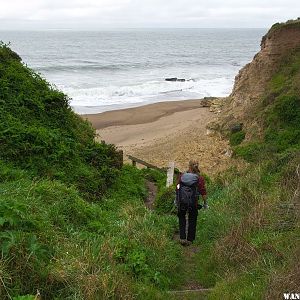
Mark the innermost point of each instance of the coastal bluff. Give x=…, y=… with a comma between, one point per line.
x=244, y=103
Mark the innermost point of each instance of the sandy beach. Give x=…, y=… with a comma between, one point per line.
x=163, y=132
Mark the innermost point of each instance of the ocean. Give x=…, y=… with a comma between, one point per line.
x=107, y=70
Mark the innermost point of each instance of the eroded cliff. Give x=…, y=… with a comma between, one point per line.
x=244, y=103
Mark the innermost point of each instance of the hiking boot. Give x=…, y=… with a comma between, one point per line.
x=183, y=242
x=188, y=243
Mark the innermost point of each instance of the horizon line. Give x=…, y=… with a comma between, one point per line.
x=128, y=28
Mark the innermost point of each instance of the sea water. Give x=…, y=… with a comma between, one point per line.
x=107, y=70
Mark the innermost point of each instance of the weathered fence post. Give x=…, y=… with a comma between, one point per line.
x=170, y=174
x=120, y=159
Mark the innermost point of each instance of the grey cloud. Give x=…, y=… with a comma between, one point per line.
x=96, y=14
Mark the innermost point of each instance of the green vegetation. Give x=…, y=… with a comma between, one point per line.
x=250, y=236
x=40, y=133
x=287, y=24
x=236, y=138
x=73, y=222
x=164, y=202
x=280, y=112
x=55, y=241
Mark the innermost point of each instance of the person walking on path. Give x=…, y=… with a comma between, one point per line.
x=189, y=187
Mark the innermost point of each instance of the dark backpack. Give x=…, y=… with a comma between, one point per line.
x=187, y=192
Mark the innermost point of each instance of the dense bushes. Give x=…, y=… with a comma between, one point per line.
x=53, y=238
x=40, y=133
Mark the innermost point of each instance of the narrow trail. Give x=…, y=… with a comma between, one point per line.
x=190, y=288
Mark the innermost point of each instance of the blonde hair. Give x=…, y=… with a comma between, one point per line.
x=194, y=166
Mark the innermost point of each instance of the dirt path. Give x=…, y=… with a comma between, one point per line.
x=190, y=288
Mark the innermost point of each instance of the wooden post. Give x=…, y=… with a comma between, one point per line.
x=170, y=174
x=136, y=160
x=120, y=159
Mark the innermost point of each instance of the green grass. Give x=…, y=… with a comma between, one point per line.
x=73, y=223
x=249, y=235
x=55, y=241
x=164, y=202
x=236, y=138
x=39, y=132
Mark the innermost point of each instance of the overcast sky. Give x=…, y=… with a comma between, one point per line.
x=99, y=14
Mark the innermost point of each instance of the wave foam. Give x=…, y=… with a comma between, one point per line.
x=148, y=92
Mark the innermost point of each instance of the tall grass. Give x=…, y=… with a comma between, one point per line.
x=250, y=236
x=67, y=248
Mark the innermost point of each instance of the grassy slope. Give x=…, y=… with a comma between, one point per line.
x=250, y=236
x=288, y=24
x=40, y=133
x=72, y=224
x=55, y=241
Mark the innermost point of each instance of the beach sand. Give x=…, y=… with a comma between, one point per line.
x=163, y=132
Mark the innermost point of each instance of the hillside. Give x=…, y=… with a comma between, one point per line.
x=250, y=236
x=73, y=224
x=40, y=133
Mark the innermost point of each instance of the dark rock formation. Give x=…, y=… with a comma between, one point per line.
x=175, y=79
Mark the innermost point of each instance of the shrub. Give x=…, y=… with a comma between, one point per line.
x=236, y=138
x=164, y=202
x=40, y=133
x=252, y=152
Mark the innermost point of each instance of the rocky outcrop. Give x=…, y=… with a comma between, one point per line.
x=253, y=79
x=174, y=79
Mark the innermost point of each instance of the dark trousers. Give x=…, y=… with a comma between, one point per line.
x=192, y=214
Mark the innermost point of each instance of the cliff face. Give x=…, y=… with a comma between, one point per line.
x=253, y=79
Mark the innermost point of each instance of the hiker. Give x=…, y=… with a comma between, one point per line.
x=189, y=187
